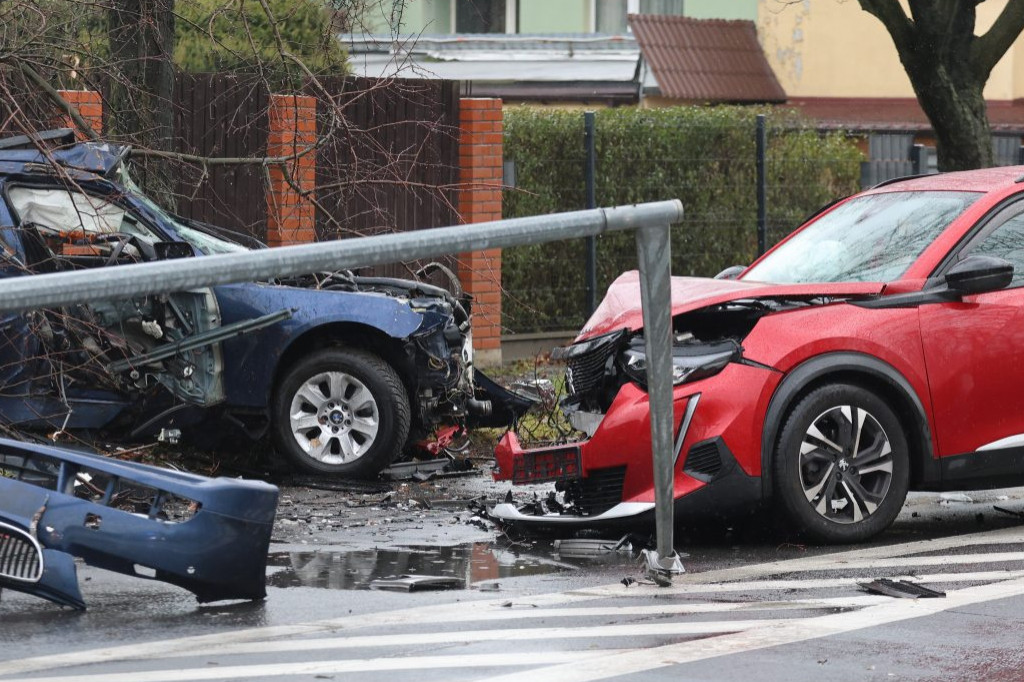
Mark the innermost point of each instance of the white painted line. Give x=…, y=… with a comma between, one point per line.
x=931, y=560
x=788, y=632
x=822, y=583
x=507, y=615
x=481, y=608
x=458, y=638
x=248, y=672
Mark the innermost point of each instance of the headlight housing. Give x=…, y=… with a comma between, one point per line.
x=691, y=360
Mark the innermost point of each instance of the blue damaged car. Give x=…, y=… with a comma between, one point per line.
x=339, y=371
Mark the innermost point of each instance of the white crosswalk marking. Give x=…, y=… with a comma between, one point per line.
x=635, y=661
x=249, y=672
x=702, y=615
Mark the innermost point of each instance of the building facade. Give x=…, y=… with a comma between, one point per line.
x=543, y=16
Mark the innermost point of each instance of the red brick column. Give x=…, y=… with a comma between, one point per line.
x=480, y=177
x=291, y=217
x=90, y=107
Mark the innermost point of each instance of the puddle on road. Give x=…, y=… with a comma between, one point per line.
x=471, y=563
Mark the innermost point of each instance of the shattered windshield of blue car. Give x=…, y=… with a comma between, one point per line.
x=871, y=238
x=205, y=242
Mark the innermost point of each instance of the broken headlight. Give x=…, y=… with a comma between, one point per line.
x=690, y=360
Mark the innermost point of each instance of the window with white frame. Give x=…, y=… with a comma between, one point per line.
x=484, y=16
x=610, y=15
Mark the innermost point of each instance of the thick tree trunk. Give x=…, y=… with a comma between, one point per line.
x=141, y=35
x=955, y=105
x=948, y=66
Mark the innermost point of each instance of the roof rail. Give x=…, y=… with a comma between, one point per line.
x=899, y=179
x=61, y=135
x=890, y=181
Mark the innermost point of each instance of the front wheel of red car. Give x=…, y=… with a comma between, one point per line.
x=341, y=411
x=841, y=465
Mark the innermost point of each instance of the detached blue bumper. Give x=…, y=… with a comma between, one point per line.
x=71, y=504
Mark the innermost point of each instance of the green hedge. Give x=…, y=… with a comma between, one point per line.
x=704, y=156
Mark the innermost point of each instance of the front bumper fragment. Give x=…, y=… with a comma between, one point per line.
x=69, y=503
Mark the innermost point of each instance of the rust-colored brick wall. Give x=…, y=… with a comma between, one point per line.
x=89, y=104
x=480, y=177
x=291, y=216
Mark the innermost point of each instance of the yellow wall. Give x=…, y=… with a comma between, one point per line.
x=836, y=49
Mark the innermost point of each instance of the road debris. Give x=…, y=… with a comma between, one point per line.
x=416, y=583
x=904, y=589
x=208, y=536
x=425, y=470
x=1003, y=510
x=581, y=548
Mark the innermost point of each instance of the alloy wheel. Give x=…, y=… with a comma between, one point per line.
x=334, y=417
x=846, y=464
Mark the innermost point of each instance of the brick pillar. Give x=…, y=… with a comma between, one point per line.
x=90, y=107
x=480, y=177
x=291, y=217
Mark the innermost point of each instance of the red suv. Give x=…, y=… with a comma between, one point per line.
x=877, y=349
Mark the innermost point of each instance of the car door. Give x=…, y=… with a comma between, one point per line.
x=974, y=353
x=125, y=345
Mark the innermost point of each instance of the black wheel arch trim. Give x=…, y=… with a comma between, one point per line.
x=812, y=371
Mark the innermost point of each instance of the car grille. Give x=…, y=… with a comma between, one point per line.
x=20, y=558
x=703, y=460
x=600, y=490
x=588, y=362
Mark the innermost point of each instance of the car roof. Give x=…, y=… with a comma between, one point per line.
x=20, y=153
x=997, y=179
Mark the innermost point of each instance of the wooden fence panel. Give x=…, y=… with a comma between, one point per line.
x=389, y=160
x=222, y=116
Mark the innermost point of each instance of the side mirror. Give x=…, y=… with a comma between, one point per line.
x=169, y=250
x=731, y=272
x=979, y=274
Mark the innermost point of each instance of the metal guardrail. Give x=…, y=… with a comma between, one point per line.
x=650, y=220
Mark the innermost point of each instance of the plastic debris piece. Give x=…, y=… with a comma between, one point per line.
x=415, y=583
x=1003, y=510
x=404, y=471
x=576, y=548
x=904, y=589
x=536, y=390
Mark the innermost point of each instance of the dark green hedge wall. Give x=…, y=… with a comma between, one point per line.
x=704, y=156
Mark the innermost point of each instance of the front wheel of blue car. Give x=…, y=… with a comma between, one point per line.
x=841, y=465
x=341, y=411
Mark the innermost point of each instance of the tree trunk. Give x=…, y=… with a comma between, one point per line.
x=951, y=95
x=141, y=35
x=948, y=66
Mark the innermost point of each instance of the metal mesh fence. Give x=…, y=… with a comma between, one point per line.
x=706, y=158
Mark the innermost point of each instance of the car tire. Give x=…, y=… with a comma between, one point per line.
x=841, y=465
x=341, y=411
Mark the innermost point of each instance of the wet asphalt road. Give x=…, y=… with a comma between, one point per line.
x=751, y=605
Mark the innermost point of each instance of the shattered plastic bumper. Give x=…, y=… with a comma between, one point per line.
x=607, y=480
x=62, y=501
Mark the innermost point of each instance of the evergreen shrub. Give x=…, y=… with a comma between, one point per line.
x=704, y=156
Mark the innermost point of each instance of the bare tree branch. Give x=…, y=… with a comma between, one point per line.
x=59, y=101
x=894, y=19
x=990, y=48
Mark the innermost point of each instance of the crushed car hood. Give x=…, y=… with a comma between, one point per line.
x=621, y=305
